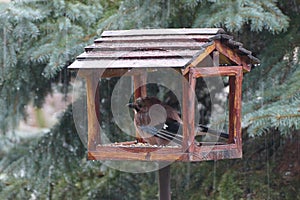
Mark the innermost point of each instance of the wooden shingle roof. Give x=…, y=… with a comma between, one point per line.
x=176, y=48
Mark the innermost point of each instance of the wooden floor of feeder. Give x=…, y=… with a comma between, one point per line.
x=131, y=150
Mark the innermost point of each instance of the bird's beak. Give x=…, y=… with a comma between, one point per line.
x=133, y=106
x=130, y=105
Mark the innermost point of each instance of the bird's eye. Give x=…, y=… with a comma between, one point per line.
x=141, y=104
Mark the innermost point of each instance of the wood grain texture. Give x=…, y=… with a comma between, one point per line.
x=215, y=152
x=231, y=106
x=136, y=153
x=188, y=113
x=121, y=52
x=238, y=109
x=140, y=90
x=235, y=107
x=129, y=63
x=93, y=110
x=189, y=151
x=192, y=43
x=234, y=56
x=163, y=154
x=215, y=71
x=194, y=62
x=156, y=38
x=97, y=55
x=144, y=46
x=170, y=31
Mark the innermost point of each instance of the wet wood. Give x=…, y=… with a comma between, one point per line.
x=235, y=106
x=156, y=38
x=235, y=99
x=130, y=63
x=164, y=46
x=235, y=74
x=238, y=106
x=146, y=44
x=231, y=107
x=108, y=73
x=118, y=72
x=209, y=143
x=96, y=55
x=93, y=110
x=200, y=153
x=194, y=62
x=188, y=113
x=216, y=71
x=195, y=53
x=232, y=55
x=125, y=143
x=140, y=90
x=215, y=152
x=136, y=153
x=140, y=83
x=173, y=31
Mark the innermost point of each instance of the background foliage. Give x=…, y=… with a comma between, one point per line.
x=41, y=38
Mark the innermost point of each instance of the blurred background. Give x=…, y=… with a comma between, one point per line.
x=41, y=155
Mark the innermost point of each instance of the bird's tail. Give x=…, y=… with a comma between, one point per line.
x=203, y=130
x=177, y=138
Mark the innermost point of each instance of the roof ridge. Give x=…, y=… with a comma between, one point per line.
x=167, y=31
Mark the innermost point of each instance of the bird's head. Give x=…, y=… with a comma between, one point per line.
x=143, y=103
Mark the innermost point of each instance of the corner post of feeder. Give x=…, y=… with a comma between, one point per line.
x=139, y=82
x=93, y=109
x=188, y=111
x=140, y=90
x=235, y=107
x=239, y=79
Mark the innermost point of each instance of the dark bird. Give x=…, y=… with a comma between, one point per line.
x=160, y=124
x=157, y=123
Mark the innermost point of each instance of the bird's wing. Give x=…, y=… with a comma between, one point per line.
x=167, y=131
x=172, y=114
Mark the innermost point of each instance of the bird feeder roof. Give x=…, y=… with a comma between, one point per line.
x=175, y=48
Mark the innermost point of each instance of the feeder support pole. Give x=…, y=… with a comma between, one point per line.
x=165, y=183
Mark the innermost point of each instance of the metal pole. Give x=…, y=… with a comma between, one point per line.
x=164, y=183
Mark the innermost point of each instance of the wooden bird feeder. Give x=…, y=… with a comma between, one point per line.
x=155, y=48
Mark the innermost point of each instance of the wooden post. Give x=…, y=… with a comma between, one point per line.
x=140, y=90
x=165, y=183
x=188, y=112
x=231, y=99
x=235, y=106
x=93, y=110
x=238, y=106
